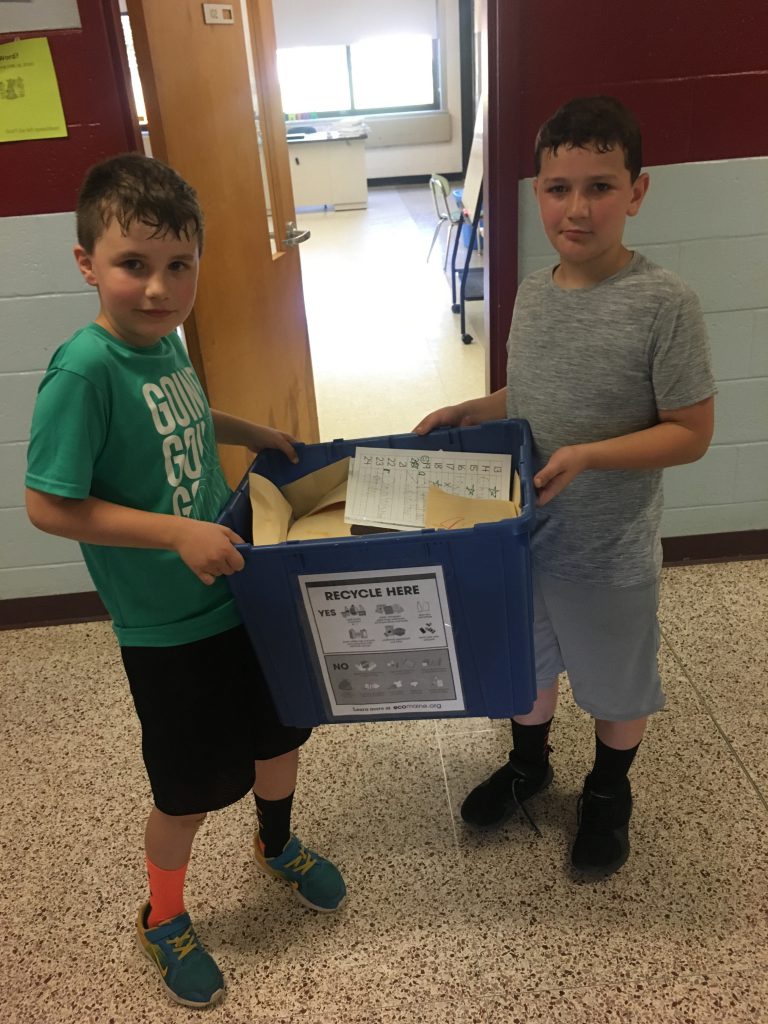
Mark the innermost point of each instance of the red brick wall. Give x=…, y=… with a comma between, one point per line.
x=694, y=73
x=43, y=175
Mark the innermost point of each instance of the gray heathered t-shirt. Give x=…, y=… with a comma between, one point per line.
x=595, y=363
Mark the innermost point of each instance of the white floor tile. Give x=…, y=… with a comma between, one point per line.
x=386, y=348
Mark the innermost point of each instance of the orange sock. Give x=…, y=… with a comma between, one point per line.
x=166, y=893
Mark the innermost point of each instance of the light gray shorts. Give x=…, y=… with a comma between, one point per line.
x=605, y=638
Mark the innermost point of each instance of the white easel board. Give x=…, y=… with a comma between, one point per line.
x=474, y=176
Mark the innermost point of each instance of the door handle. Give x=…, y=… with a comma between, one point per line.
x=294, y=235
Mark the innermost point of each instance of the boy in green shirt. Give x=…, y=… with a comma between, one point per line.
x=122, y=458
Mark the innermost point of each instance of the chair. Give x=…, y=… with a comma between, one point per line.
x=472, y=279
x=447, y=212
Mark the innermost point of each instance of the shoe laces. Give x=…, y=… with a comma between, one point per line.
x=184, y=943
x=302, y=863
x=523, y=808
x=518, y=781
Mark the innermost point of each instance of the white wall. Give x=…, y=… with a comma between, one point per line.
x=709, y=223
x=43, y=299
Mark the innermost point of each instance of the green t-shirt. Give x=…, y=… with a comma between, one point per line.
x=132, y=426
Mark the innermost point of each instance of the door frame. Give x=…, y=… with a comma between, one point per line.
x=502, y=166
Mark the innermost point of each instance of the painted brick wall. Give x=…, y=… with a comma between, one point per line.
x=92, y=73
x=695, y=79
x=42, y=296
x=709, y=223
x=694, y=73
x=43, y=299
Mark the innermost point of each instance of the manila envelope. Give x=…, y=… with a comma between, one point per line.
x=444, y=511
x=325, y=520
x=309, y=492
x=271, y=512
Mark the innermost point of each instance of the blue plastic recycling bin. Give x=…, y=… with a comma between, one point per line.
x=393, y=625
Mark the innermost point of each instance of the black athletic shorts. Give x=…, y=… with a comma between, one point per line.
x=206, y=715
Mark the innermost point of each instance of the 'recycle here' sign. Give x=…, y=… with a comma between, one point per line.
x=384, y=641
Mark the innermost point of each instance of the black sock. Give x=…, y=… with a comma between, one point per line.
x=611, y=766
x=529, y=742
x=274, y=823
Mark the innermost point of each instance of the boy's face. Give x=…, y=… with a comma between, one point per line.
x=146, y=285
x=584, y=198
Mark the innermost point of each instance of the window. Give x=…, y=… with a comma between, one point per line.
x=377, y=75
x=314, y=78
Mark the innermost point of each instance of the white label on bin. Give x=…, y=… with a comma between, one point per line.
x=384, y=642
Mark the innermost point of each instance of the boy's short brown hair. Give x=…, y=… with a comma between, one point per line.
x=132, y=188
x=599, y=121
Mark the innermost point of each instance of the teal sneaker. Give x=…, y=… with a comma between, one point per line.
x=189, y=974
x=316, y=882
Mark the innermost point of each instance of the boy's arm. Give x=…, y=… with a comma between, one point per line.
x=205, y=548
x=233, y=430
x=466, y=414
x=681, y=436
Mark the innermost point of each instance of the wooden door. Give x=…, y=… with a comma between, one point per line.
x=247, y=334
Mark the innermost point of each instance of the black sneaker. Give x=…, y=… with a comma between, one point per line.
x=495, y=801
x=602, y=841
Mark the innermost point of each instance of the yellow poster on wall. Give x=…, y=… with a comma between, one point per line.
x=30, y=104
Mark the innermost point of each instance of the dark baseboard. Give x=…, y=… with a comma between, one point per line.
x=64, y=609
x=715, y=547
x=55, y=610
x=412, y=179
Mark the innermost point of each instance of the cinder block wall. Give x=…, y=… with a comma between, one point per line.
x=43, y=299
x=709, y=223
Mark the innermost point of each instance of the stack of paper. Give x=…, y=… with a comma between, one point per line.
x=389, y=486
x=349, y=127
x=386, y=488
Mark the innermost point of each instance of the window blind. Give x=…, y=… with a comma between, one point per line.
x=341, y=22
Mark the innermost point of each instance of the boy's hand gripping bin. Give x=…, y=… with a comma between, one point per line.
x=424, y=624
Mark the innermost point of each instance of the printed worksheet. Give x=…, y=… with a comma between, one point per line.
x=388, y=486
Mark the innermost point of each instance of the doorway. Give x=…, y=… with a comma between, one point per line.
x=382, y=334
x=386, y=347
x=379, y=320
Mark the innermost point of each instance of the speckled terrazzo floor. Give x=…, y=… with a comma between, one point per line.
x=441, y=926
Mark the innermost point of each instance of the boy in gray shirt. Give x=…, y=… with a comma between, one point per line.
x=608, y=360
